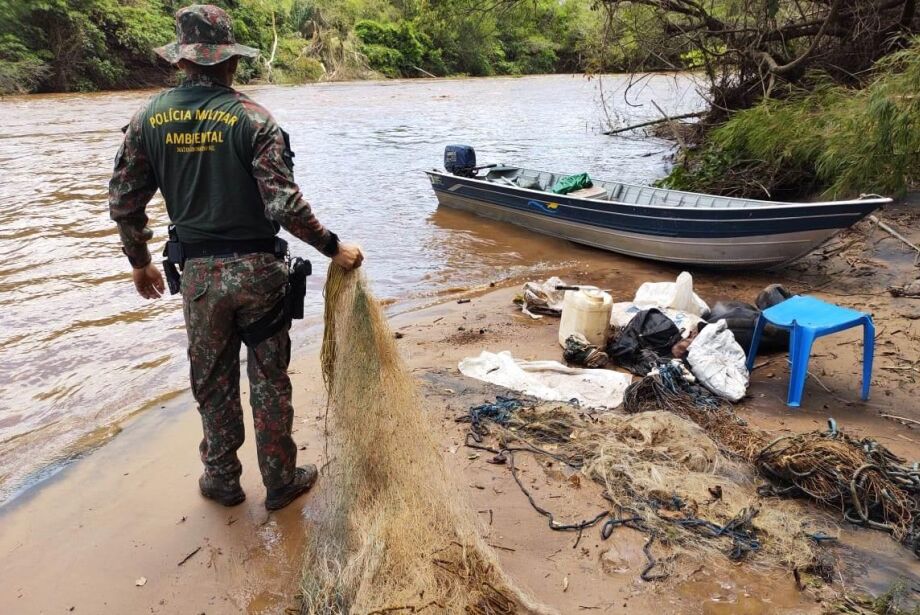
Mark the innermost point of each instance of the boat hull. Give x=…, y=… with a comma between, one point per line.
x=761, y=237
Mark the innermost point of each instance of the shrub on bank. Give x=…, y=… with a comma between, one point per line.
x=21, y=70
x=302, y=70
x=833, y=140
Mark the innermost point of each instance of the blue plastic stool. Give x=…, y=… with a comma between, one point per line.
x=808, y=318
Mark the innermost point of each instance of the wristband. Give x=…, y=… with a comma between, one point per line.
x=332, y=245
x=138, y=263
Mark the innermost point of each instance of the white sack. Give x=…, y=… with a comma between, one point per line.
x=550, y=380
x=622, y=313
x=677, y=295
x=718, y=361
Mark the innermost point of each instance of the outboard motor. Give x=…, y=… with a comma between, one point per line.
x=460, y=160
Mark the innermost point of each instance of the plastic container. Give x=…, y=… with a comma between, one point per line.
x=586, y=311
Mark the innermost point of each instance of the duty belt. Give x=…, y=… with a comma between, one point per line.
x=201, y=249
x=278, y=316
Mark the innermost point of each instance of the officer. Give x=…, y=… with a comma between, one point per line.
x=224, y=170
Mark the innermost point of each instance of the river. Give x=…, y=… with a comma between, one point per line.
x=80, y=351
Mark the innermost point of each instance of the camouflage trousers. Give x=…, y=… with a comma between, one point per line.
x=220, y=295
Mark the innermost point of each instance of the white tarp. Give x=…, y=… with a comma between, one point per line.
x=550, y=380
x=718, y=362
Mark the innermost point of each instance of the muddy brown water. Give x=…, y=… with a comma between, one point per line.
x=80, y=351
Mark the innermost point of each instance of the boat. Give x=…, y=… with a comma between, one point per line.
x=643, y=221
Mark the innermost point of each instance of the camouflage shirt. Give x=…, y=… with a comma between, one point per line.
x=219, y=160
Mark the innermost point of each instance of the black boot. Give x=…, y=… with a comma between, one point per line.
x=222, y=492
x=304, y=477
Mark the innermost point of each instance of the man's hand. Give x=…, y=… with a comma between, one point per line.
x=149, y=282
x=349, y=256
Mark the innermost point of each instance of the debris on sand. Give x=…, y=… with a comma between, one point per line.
x=864, y=480
x=661, y=474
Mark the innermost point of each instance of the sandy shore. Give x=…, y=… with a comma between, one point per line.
x=125, y=531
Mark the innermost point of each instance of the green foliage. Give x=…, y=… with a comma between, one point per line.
x=63, y=45
x=634, y=39
x=841, y=141
x=695, y=59
x=303, y=69
x=394, y=49
x=21, y=70
x=84, y=44
x=293, y=62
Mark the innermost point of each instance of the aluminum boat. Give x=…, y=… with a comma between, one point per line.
x=643, y=221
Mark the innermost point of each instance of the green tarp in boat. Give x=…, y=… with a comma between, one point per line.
x=571, y=183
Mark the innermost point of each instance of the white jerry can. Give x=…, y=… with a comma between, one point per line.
x=586, y=311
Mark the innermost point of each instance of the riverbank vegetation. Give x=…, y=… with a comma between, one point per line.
x=80, y=45
x=828, y=139
x=806, y=97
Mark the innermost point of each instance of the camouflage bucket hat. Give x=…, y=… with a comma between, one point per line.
x=205, y=36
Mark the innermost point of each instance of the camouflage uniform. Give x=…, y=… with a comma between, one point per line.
x=219, y=160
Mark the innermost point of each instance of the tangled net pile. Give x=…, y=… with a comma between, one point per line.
x=863, y=479
x=392, y=536
x=661, y=474
x=868, y=483
x=668, y=389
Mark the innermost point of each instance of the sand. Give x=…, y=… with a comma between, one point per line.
x=82, y=541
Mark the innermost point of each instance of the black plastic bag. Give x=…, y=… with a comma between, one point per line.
x=638, y=345
x=771, y=295
x=741, y=319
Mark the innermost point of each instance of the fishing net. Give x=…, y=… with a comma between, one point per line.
x=661, y=474
x=670, y=387
x=391, y=535
x=869, y=484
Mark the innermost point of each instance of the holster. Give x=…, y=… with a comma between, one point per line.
x=173, y=262
x=289, y=307
x=298, y=272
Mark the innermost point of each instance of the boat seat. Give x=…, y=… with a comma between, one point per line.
x=548, y=180
x=594, y=192
x=529, y=183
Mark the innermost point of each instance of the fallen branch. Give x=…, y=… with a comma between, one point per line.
x=424, y=72
x=896, y=235
x=899, y=418
x=677, y=137
x=189, y=556
x=660, y=120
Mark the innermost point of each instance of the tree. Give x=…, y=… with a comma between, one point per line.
x=750, y=49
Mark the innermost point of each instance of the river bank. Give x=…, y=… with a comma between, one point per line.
x=130, y=512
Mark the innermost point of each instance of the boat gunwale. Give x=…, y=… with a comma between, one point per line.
x=760, y=204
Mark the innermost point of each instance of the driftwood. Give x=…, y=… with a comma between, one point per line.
x=424, y=72
x=660, y=120
x=897, y=235
x=900, y=418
